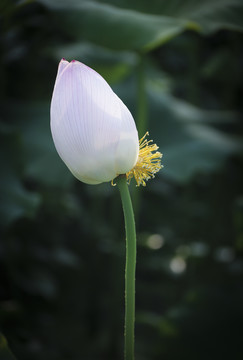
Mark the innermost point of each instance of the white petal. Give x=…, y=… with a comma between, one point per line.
x=93, y=131
x=63, y=63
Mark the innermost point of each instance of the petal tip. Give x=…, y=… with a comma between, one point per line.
x=62, y=64
x=63, y=60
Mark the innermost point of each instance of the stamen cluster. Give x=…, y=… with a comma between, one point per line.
x=148, y=163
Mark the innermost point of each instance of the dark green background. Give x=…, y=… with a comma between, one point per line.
x=178, y=67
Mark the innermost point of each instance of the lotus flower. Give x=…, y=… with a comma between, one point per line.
x=93, y=131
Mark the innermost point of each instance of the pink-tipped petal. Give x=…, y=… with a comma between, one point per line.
x=62, y=64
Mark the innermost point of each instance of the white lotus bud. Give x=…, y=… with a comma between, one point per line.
x=93, y=131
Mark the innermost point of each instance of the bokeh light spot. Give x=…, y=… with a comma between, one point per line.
x=155, y=241
x=178, y=265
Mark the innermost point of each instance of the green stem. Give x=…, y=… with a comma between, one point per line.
x=130, y=266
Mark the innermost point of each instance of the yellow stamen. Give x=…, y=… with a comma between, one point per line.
x=148, y=163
